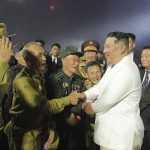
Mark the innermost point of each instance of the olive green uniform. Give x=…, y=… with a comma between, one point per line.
x=69, y=126
x=4, y=82
x=4, y=78
x=81, y=70
x=28, y=111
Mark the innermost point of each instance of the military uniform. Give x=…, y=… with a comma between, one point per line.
x=67, y=122
x=4, y=82
x=28, y=111
x=87, y=46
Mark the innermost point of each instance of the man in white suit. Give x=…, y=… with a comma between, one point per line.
x=115, y=99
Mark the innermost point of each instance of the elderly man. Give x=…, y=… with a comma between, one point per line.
x=118, y=124
x=65, y=81
x=30, y=105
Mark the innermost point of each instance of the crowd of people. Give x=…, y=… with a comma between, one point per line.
x=66, y=99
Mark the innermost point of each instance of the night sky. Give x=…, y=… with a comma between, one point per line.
x=69, y=22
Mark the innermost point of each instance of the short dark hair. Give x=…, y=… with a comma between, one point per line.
x=132, y=36
x=91, y=64
x=40, y=41
x=146, y=47
x=56, y=44
x=120, y=36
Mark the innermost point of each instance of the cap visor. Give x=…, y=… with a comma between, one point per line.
x=78, y=54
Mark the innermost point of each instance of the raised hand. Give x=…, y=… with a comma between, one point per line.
x=5, y=49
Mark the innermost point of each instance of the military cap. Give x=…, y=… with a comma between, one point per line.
x=4, y=32
x=70, y=50
x=90, y=45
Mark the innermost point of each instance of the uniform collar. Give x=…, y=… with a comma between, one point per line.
x=69, y=77
x=31, y=72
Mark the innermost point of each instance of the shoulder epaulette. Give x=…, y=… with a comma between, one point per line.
x=58, y=75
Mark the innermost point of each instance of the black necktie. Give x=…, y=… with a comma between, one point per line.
x=54, y=60
x=146, y=81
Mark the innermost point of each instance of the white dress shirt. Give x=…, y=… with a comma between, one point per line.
x=54, y=59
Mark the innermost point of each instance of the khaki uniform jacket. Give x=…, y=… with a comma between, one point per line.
x=4, y=82
x=29, y=104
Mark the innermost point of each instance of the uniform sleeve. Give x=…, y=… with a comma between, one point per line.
x=55, y=106
x=118, y=88
x=31, y=96
x=4, y=82
x=4, y=78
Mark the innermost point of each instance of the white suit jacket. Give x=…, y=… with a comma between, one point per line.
x=117, y=106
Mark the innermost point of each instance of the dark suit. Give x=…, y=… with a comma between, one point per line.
x=145, y=113
x=52, y=66
x=136, y=59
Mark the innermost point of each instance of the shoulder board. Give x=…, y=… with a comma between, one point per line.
x=58, y=75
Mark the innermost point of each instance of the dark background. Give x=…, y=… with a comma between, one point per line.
x=70, y=22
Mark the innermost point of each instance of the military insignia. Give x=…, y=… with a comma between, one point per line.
x=40, y=88
x=65, y=85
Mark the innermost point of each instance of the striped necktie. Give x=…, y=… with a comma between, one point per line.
x=146, y=81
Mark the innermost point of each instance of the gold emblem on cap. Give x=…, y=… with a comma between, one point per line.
x=89, y=48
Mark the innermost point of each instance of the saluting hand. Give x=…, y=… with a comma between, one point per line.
x=5, y=49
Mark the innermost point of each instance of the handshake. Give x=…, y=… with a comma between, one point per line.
x=86, y=106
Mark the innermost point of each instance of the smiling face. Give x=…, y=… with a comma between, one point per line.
x=94, y=74
x=111, y=50
x=70, y=64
